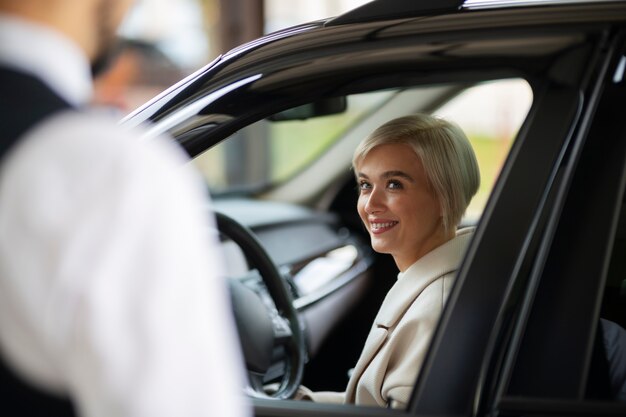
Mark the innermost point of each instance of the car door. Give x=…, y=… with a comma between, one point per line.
x=521, y=328
x=558, y=361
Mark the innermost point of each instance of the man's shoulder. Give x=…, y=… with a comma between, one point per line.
x=95, y=133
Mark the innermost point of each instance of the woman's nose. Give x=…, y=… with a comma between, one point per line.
x=375, y=202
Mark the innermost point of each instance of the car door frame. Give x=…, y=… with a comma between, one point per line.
x=476, y=332
x=564, y=300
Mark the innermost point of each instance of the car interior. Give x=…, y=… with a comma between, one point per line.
x=292, y=185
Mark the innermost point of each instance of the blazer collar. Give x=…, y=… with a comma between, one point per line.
x=438, y=262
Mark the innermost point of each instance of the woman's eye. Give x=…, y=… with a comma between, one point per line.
x=394, y=185
x=364, y=186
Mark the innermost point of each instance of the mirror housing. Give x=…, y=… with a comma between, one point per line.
x=325, y=107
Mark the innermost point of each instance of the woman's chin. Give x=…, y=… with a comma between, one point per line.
x=380, y=247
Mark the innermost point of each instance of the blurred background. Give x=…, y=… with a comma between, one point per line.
x=166, y=40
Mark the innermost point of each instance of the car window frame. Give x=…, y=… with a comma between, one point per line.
x=591, y=195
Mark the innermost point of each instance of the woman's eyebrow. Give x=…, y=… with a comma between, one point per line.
x=401, y=174
x=388, y=174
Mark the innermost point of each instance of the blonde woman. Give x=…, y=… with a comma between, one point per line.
x=416, y=176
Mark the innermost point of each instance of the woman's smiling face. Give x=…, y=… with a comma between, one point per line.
x=397, y=205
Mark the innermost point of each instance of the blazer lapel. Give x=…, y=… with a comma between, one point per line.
x=440, y=261
x=374, y=342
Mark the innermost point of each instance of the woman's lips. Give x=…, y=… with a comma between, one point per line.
x=378, y=227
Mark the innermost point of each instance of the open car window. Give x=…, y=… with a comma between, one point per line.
x=490, y=114
x=269, y=153
x=329, y=262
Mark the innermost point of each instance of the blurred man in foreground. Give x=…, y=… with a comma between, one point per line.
x=110, y=294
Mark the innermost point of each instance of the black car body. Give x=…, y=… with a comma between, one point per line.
x=519, y=332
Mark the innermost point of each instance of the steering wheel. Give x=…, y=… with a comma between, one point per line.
x=262, y=324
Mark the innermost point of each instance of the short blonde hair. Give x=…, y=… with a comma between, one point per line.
x=445, y=152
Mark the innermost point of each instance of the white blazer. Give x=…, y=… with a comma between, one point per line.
x=400, y=336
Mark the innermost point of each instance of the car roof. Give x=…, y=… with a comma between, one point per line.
x=395, y=9
x=281, y=50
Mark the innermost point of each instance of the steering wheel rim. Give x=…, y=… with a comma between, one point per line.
x=294, y=344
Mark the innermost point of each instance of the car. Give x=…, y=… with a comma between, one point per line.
x=273, y=124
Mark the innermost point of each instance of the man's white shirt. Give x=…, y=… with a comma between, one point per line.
x=111, y=286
